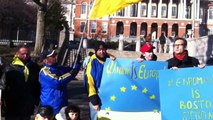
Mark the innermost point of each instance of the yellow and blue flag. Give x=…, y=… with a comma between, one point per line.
x=106, y=7
x=130, y=87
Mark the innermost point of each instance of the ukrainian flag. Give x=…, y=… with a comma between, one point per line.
x=106, y=7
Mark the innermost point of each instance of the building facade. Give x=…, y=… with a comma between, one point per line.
x=183, y=18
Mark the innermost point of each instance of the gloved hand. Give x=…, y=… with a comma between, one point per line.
x=75, y=69
x=79, y=59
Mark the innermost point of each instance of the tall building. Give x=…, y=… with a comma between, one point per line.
x=183, y=18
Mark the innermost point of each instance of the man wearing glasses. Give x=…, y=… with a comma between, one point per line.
x=180, y=56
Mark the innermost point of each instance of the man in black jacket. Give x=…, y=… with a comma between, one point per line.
x=20, y=85
x=181, y=59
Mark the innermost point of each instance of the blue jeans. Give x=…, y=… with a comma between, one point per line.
x=93, y=112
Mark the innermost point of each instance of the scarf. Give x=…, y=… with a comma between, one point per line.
x=181, y=56
x=17, y=61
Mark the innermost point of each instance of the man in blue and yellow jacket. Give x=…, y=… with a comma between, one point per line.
x=93, y=77
x=54, y=80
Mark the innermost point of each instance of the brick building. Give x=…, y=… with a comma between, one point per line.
x=188, y=18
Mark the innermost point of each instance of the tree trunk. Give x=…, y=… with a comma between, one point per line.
x=40, y=32
x=40, y=28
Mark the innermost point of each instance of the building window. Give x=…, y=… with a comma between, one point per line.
x=174, y=11
x=93, y=27
x=164, y=10
x=83, y=24
x=121, y=12
x=134, y=10
x=154, y=10
x=83, y=9
x=104, y=27
x=133, y=29
x=119, y=28
x=143, y=9
x=210, y=13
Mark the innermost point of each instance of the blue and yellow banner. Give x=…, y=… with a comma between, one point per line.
x=186, y=94
x=130, y=87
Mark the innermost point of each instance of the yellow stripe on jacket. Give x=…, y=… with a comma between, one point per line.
x=90, y=79
x=47, y=71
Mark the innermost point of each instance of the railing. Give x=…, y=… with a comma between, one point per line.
x=15, y=42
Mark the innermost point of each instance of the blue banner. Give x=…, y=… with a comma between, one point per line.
x=186, y=94
x=130, y=86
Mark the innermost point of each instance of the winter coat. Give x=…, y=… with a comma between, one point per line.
x=162, y=39
x=186, y=62
x=21, y=88
x=54, y=82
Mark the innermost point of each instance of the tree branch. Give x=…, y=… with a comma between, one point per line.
x=38, y=2
x=42, y=6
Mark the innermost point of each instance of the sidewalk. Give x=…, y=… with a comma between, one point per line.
x=77, y=95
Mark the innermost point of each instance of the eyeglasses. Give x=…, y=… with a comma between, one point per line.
x=178, y=45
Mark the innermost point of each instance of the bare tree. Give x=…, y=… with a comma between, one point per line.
x=50, y=15
x=40, y=28
x=15, y=14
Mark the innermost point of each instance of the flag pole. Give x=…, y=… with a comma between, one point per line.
x=82, y=36
x=80, y=44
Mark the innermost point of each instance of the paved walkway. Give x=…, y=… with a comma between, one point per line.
x=77, y=95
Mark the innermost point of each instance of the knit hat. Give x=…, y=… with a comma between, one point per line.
x=100, y=45
x=147, y=47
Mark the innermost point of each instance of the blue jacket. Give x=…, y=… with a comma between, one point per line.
x=92, y=78
x=54, y=81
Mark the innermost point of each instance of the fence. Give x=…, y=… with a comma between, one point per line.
x=15, y=42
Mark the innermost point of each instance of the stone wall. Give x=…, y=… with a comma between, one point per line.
x=200, y=48
x=135, y=55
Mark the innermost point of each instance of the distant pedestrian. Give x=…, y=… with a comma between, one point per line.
x=45, y=113
x=20, y=85
x=162, y=42
x=54, y=80
x=210, y=60
x=86, y=60
x=148, y=38
x=181, y=59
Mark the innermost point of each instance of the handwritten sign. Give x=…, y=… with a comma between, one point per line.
x=130, y=86
x=186, y=94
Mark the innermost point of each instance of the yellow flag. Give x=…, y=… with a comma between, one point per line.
x=106, y=7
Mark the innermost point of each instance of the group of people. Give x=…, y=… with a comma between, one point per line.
x=25, y=84
x=94, y=69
